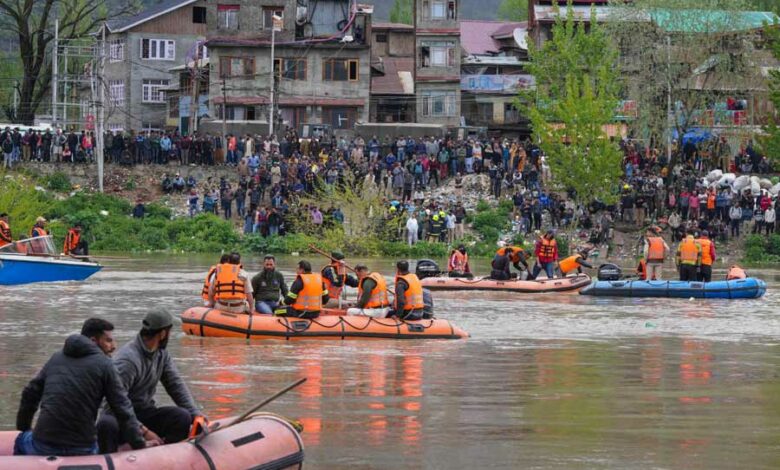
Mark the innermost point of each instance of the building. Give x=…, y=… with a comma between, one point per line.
x=493, y=73
x=321, y=63
x=392, y=73
x=141, y=50
x=180, y=96
x=437, y=62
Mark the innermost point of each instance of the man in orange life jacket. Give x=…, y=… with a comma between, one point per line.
x=204, y=292
x=308, y=293
x=546, y=252
x=5, y=230
x=229, y=287
x=655, y=252
x=372, y=298
x=74, y=245
x=574, y=263
x=707, y=256
x=458, y=264
x=39, y=229
x=336, y=278
x=409, y=302
x=688, y=258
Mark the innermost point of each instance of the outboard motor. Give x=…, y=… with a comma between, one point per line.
x=609, y=272
x=427, y=268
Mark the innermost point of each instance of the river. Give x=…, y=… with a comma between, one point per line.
x=545, y=381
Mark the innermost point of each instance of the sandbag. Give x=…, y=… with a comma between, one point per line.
x=714, y=175
x=775, y=190
x=764, y=183
x=753, y=187
x=741, y=182
x=727, y=179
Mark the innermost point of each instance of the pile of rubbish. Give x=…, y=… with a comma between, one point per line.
x=475, y=189
x=741, y=184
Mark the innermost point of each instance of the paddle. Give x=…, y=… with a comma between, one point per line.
x=250, y=411
x=317, y=250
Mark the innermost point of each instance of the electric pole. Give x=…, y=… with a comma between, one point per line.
x=54, y=72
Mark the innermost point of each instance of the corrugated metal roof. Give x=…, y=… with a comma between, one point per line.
x=397, y=77
x=477, y=37
x=708, y=21
x=122, y=24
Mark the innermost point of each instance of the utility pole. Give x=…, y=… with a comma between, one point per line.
x=16, y=99
x=65, y=86
x=54, y=72
x=195, y=84
x=101, y=107
x=669, y=120
x=224, y=114
x=271, y=114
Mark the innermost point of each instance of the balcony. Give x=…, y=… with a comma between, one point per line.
x=497, y=84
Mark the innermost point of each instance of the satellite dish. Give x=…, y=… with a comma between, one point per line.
x=521, y=37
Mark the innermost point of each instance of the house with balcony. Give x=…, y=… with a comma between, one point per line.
x=392, y=73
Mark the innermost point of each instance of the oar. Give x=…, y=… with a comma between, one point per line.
x=249, y=412
x=317, y=250
x=98, y=257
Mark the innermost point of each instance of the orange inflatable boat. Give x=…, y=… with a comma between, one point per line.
x=332, y=324
x=484, y=283
x=262, y=441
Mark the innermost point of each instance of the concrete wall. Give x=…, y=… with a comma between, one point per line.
x=438, y=72
x=449, y=121
x=399, y=43
x=423, y=23
x=250, y=19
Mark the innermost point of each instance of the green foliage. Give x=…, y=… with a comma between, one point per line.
x=770, y=141
x=402, y=12
x=57, y=181
x=489, y=222
x=513, y=10
x=760, y=249
x=22, y=202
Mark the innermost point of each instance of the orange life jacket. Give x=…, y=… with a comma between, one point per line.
x=413, y=296
x=71, y=241
x=38, y=232
x=5, y=233
x=516, y=253
x=547, y=250
x=569, y=264
x=735, y=272
x=458, y=261
x=204, y=293
x=378, y=297
x=706, y=257
x=310, y=296
x=642, y=270
x=334, y=292
x=711, y=201
x=228, y=287
x=655, y=249
x=689, y=252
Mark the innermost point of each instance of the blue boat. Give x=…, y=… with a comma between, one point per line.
x=34, y=260
x=750, y=288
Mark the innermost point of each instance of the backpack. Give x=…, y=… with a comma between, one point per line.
x=8, y=146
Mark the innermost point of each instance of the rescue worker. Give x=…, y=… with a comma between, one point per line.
x=372, y=297
x=546, y=252
x=458, y=264
x=436, y=226
x=516, y=256
x=39, y=229
x=707, y=256
x=735, y=272
x=308, y=293
x=229, y=288
x=655, y=251
x=74, y=245
x=204, y=292
x=688, y=258
x=641, y=269
x=499, y=267
x=268, y=287
x=5, y=230
x=409, y=302
x=336, y=277
x=142, y=364
x=574, y=263
x=69, y=390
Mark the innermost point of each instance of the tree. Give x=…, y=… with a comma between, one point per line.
x=575, y=98
x=402, y=12
x=513, y=10
x=32, y=21
x=770, y=141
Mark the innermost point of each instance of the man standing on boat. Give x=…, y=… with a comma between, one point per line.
x=74, y=245
x=142, y=364
x=69, y=390
x=5, y=230
x=39, y=229
x=336, y=278
x=689, y=259
x=655, y=251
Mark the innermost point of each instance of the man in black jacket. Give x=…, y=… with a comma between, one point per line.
x=69, y=389
x=268, y=286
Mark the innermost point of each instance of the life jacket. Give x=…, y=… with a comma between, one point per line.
x=514, y=256
x=641, y=270
x=413, y=296
x=228, y=287
x=458, y=261
x=334, y=292
x=71, y=241
x=689, y=252
x=38, y=232
x=204, y=293
x=569, y=264
x=310, y=296
x=5, y=233
x=735, y=272
x=655, y=249
x=706, y=258
x=378, y=297
x=547, y=250
x=711, y=201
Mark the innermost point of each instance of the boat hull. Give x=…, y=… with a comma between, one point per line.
x=203, y=321
x=20, y=269
x=750, y=288
x=484, y=284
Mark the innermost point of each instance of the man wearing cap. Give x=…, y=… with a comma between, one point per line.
x=5, y=230
x=335, y=278
x=39, y=229
x=142, y=364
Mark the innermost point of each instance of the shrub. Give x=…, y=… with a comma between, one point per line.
x=57, y=181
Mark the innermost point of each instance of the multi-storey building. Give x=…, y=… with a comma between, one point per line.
x=392, y=73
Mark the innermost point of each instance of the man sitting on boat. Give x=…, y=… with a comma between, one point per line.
x=372, y=298
x=39, y=229
x=142, y=364
x=409, y=302
x=229, y=289
x=70, y=389
x=74, y=244
x=307, y=295
x=458, y=265
x=336, y=278
x=268, y=287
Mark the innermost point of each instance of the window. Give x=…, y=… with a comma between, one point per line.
x=158, y=49
x=438, y=104
x=116, y=127
x=290, y=69
x=437, y=10
x=340, y=70
x=227, y=16
x=268, y=16
x=116, y=92
x=238, y=113
x=236, y=66
x=440, y=10
x=381, y=38
x=116, y=50
x=437, y=54
x=151, y=91
x=199, y=15
x=339, y=118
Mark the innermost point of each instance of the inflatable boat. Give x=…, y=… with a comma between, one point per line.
x=750, y=288
x=331, y=324
x=262, y=441
x=541, y=285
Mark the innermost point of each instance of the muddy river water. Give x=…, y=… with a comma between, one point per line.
x=545, y=381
